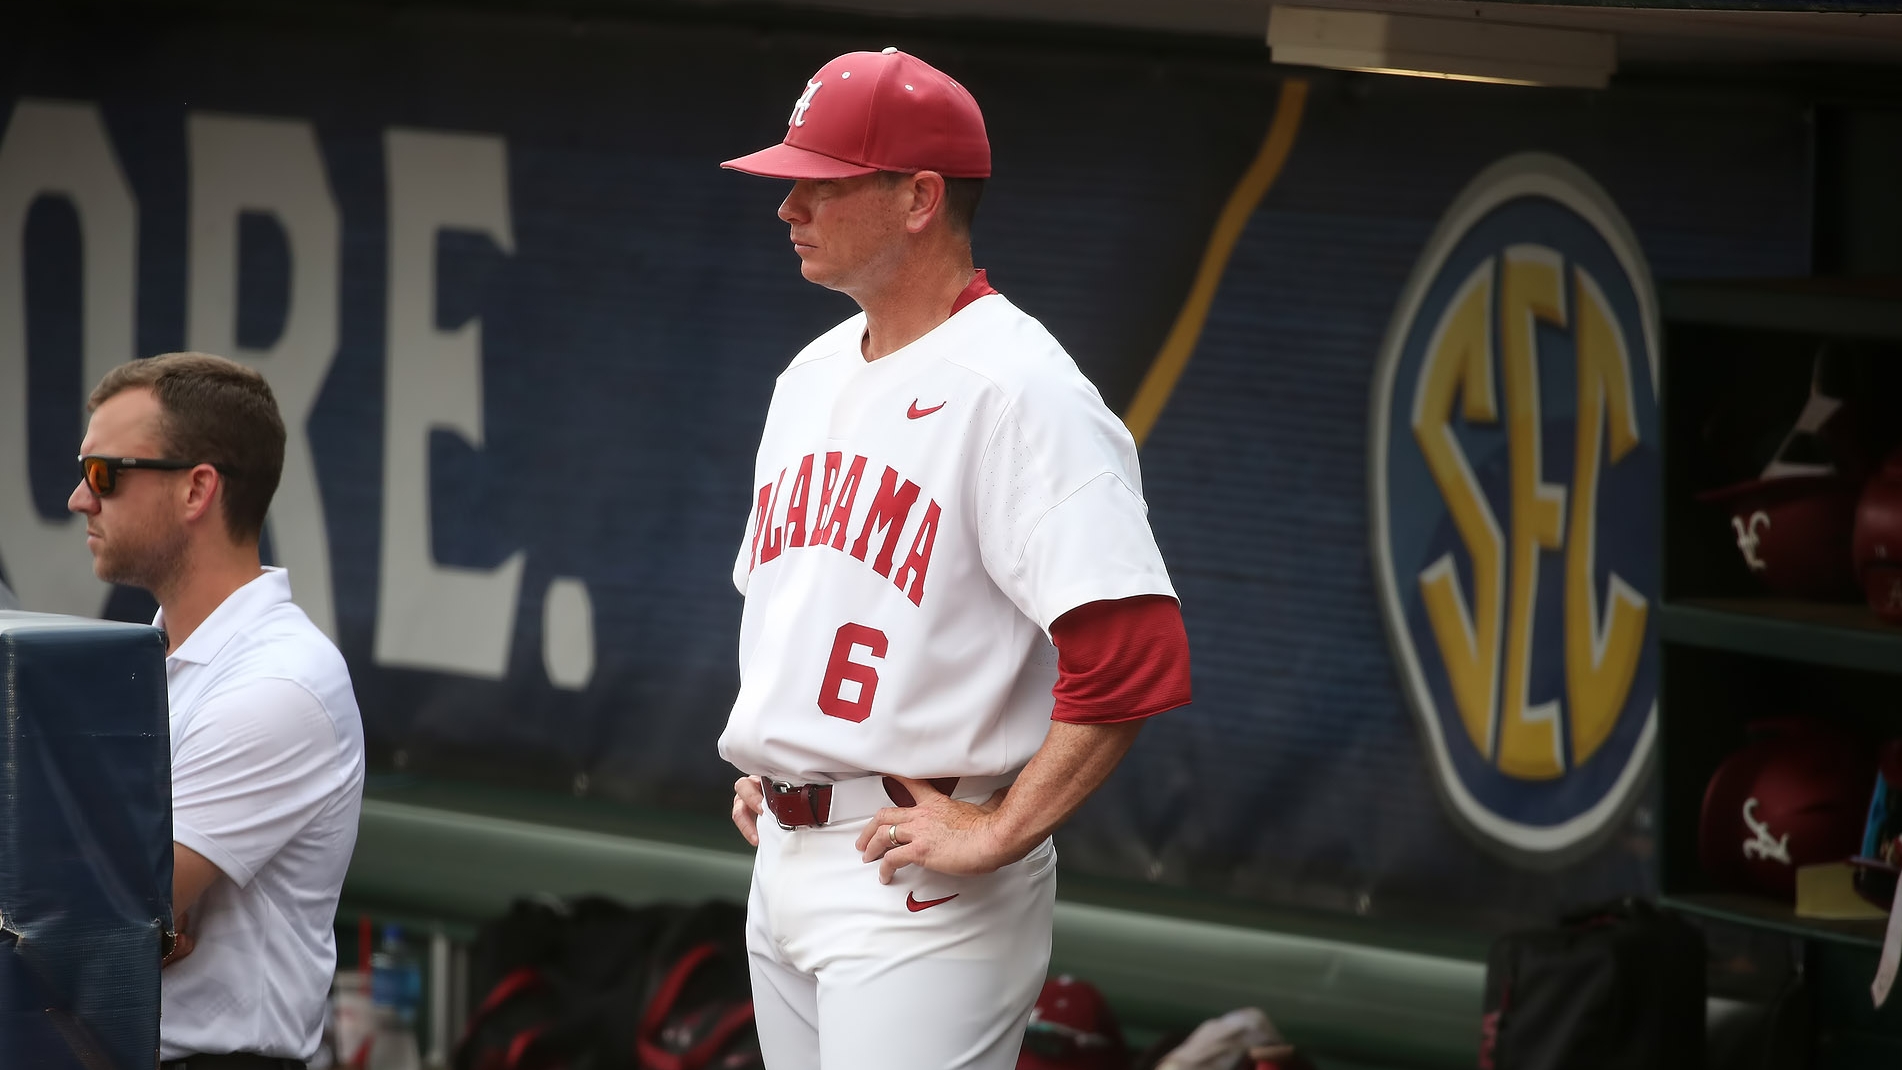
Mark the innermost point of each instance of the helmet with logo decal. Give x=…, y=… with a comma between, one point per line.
x=1791, y=518
x=1072, y=1028
x=1795, y=795
x=1878, y=540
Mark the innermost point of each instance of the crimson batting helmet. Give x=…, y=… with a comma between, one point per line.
x=1792, y=520
x=1072, y=1028
x=1878, y=540
x=1797, y=794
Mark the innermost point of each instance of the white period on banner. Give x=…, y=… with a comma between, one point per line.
x=568, y=634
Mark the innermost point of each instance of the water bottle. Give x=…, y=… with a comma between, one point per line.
x=396, y=989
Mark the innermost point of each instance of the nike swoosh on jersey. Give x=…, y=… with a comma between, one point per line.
x=912, y=904
x=916, y=413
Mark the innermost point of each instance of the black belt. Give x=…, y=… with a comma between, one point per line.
x=237, y=1060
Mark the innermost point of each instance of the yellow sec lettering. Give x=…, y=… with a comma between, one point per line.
x=1531, y=291
x=1458, y=365
x=1601, y=655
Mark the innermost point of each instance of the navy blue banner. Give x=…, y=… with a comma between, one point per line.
x=524, y=332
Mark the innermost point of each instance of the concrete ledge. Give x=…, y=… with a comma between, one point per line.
x=469, y=867
x=1345, y=998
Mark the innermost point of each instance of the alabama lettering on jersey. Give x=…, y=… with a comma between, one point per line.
x=917, y=523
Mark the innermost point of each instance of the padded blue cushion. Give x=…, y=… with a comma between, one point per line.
x=85, y=841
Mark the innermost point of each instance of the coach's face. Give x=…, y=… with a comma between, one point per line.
x=848, y=232
x=135, y=533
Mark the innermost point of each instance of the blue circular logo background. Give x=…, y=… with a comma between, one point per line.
x=1539, y=209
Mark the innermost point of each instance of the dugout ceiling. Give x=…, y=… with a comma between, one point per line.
x=1661, y=32
x=1687, y=30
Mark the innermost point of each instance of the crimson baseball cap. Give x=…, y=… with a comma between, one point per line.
x=878, y=111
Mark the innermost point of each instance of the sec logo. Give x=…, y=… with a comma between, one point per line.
x=1515, y=485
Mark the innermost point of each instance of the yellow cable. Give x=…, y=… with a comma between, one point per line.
x=1173, y=357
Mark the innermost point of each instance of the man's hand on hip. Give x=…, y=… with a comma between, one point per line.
x=937, y=832
x=964, y=839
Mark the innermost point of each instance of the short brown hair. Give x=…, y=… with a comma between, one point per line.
x=960, y=198
x=960, y=201
x=213, y=411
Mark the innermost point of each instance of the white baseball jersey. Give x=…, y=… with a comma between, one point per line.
x=919, y=521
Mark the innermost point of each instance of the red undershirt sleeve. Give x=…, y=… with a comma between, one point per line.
x=1120, y=660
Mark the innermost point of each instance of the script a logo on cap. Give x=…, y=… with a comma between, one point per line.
x=1748, y=537
x=805, y=101
x=1765, y=845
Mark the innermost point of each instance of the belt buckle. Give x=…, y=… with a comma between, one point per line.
x=781, y=787
x=807, y=792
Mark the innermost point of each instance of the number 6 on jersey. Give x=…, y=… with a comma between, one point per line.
x=836, y=697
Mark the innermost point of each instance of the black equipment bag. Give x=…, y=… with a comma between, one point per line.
x=591, y=984
x=559, y=980
x=700, y=1017
x=698, y=1010
x=1619, y=987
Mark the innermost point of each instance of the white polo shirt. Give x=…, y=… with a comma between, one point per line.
x=267, y=782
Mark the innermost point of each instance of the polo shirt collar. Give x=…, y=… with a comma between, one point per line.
x=239, y=608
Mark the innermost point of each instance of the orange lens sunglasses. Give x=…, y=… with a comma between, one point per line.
x=102, y=473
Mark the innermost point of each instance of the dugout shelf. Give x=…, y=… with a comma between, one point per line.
x=1861, y=308
x=1842, y=635
x=1763, y=913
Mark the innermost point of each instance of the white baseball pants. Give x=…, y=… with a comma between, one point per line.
x=929, y=972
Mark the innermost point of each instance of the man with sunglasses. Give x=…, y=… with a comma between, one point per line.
x=177, y=469
x=956, y=617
